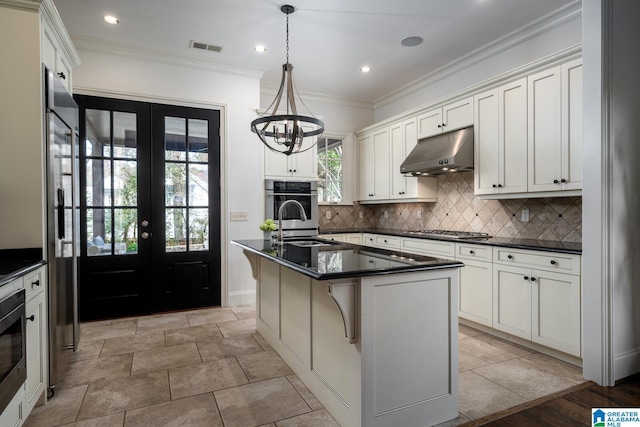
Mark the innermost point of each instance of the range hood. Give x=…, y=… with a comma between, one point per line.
x=442, y=153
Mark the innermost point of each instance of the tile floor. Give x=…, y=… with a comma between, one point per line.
x=210, y=368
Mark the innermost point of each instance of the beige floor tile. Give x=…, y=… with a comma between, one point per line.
x=196, y=411
x=259, y=403
x=101, y=331
x=238, y=327
x=95, y=323
x=162, y=322
x=211, y=316
x=263, y=343
x=523, y=379
x=491, y=349
x=263, y=365
x=466, y=331
x=123, y=394
x=320, y=418
x=205, y=377
x=87, y=349
x=201, y=333
x=103, y=368
x=454, y=422
x=306, y=394
x=165, y=358
x=130, y=344
x=555, y=366
x=113, y=420
x=223, y=348
x=480, y=397
x=244, y=311
x=61, y=409
x=467, y=361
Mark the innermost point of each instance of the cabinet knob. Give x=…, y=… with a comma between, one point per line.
x=553, y=262
x=563, y=180
x=471, y=252
x=555, y=181
x=295, y=170
x=499, y=185
x=439, y=126
x=533, y=279
x=444, y=124
x=510, y=256
x=494, y=186
x=526, y=277
x=62, y=76
x=32, y=318
x=385, y=240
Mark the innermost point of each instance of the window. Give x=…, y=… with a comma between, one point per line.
x=330, y=170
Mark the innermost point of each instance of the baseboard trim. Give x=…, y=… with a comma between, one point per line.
x=241, y=298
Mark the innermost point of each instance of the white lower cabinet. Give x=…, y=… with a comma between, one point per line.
x=334, y=237
x=512, y=300
x=14, y=414
x=353, y=238
x=475, y=301
x=36, y=341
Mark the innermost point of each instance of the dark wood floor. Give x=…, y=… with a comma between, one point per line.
x=569, y=408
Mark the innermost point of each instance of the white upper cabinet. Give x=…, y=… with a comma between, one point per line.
x=302, y=165
x=53, y=54
x=452, y=116
x=500, y=138
x=555, y=128
x=374, y=165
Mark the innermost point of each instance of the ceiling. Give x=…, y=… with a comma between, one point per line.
x=330, y=40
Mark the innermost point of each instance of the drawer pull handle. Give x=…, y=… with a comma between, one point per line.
x=553, y=262
x=32, y=318
x=36, y=283
x=510, y=256
x=385, y=240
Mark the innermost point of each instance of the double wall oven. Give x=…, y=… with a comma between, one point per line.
x=304, y=192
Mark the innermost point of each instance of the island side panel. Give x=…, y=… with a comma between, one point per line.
x=295, y=314
x=268, y=290
x=410, y=348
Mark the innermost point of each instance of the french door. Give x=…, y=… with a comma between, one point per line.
x=150, y=211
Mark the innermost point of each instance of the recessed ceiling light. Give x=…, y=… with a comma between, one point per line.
x=365, y=69
x=260, y=48
x=411, y=41
x=111, y=20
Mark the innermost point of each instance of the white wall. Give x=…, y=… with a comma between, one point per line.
x=545, y=38
x=131, y=76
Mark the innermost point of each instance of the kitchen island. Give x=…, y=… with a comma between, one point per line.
x=371, y=332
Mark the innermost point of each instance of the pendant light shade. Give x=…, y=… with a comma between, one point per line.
x=285, y=131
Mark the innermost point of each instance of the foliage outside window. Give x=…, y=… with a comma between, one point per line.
x=330, y=172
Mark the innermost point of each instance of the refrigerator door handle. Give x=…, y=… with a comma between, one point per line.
x=61, y=213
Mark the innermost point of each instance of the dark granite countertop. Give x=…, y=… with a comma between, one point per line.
x=18, y=262
x=342, y=260
x=533, y=244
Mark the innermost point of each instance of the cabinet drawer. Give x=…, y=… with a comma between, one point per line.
x=471, y=252
x=334, y=237
x=34, y=281
x=548, y=261
x=434, y=248
x=386, y=242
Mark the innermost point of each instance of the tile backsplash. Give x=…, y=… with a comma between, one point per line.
x=457, y=208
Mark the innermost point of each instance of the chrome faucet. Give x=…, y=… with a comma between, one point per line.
x=302, y=213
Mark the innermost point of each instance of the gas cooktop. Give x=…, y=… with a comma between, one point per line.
x=451, y=234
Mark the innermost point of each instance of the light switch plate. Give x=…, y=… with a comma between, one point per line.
x=327, y=215
x=360, y=214
x=419, y=214
x=385, y=214
x=524, y=215
x=238, y=216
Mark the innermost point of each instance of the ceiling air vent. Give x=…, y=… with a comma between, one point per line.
x=205, y=46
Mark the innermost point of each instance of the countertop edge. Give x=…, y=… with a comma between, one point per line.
x=21, y=272
x=403, y=233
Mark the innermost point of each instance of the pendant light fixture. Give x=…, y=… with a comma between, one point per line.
x=284, y=133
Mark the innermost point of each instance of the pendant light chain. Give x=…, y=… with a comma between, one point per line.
x=287, y=38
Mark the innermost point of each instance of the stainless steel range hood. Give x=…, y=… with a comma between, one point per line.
x=442, y=153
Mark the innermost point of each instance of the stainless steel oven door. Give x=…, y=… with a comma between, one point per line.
x=306, y=194
x=13, y=371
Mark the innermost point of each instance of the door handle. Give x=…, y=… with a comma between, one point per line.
x=144, y=223
x=61, y=214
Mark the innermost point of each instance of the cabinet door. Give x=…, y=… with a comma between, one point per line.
x=572, y=125
x=396, y=140
x=457, y=115
x=556, y=311
x=512, y=300
x=365, y=149
x=381, y=165
x=512, y=112
x=430, y=123
x=354, y=238
x=486, y=140
x=544, y=122
x=475, y=297
x=304, y=165
x=276, y=165
x=36, y=341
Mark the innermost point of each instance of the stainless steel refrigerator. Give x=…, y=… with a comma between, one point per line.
x=62, y=146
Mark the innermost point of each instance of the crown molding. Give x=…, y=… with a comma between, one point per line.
x=91, y=44
x=22, y=4
x=521, y=35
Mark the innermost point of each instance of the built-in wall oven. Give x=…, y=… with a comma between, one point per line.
x=306, y=193
x=13, y=371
